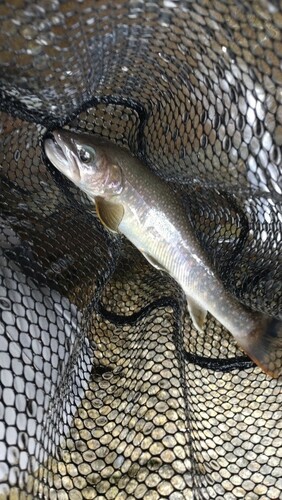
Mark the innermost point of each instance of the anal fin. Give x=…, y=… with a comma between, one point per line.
x=197, y=313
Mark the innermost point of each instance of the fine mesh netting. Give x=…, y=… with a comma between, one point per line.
x=107, y=391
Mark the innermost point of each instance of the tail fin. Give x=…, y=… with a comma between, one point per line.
x=264, y=346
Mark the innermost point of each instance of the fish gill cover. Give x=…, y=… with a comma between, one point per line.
x=107, y=391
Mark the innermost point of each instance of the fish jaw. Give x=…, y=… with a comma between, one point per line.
x=98, y=177
x=60, y=154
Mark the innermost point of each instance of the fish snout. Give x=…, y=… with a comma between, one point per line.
x=60, y=152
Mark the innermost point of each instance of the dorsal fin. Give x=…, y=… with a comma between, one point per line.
x=109, y=213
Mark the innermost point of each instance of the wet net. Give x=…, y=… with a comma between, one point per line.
x=106, y=389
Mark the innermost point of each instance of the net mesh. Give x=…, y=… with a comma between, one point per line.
x=107, y=391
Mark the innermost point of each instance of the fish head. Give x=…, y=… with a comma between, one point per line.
x=83, y=160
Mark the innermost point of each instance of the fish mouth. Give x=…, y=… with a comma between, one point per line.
x=60, y=152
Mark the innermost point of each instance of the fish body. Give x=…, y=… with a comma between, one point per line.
x=134, y=201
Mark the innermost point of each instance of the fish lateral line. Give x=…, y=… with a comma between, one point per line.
x=124, y=190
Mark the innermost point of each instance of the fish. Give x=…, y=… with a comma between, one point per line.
x=131, y=199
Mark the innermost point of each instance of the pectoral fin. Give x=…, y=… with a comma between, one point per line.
x=109, y=213
x=197, y=313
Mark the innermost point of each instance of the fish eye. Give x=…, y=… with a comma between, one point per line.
x=84, y=155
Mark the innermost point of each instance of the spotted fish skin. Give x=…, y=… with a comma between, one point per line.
x=134, y=201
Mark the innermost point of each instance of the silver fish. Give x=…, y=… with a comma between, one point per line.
x=134, y=201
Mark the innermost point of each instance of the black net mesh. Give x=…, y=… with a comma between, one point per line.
x=107, y=391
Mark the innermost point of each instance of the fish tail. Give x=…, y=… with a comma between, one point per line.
x=264, y=346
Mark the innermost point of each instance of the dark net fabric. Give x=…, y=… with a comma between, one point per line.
x=106, y=389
